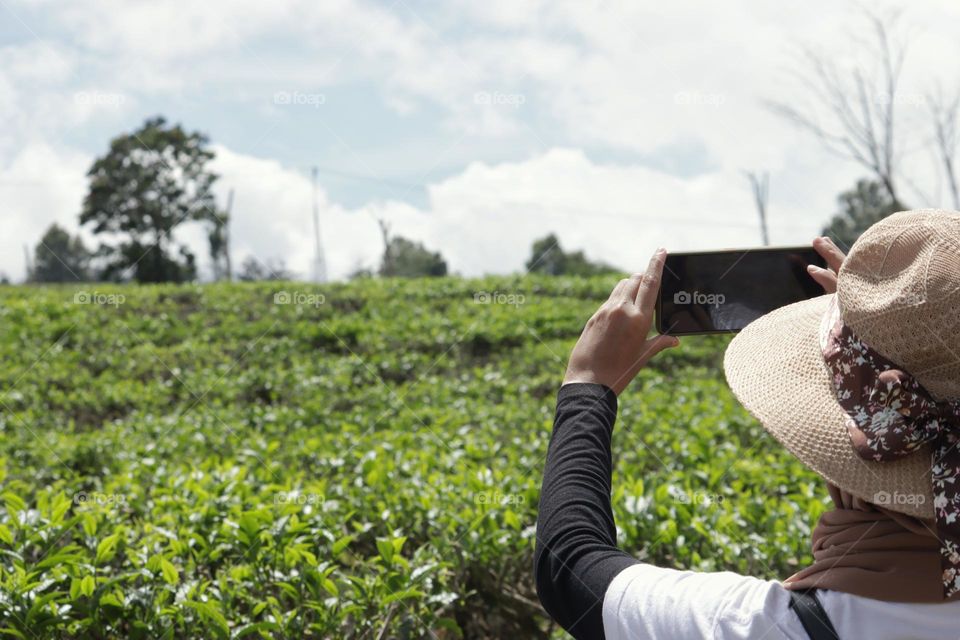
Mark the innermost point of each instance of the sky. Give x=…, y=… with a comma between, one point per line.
x=473, y=127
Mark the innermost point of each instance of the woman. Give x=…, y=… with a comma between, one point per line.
x=863, y=386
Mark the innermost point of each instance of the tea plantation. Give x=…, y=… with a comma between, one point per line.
x=353, y=461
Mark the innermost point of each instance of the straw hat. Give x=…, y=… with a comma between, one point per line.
x=899, y=291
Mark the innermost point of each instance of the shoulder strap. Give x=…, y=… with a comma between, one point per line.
x=812, y=616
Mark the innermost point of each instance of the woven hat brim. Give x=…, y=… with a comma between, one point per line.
x=776, y=370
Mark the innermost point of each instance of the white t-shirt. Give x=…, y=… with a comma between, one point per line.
x=645, y=601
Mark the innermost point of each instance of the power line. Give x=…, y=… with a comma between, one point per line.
x=586, y=214
x=572, y=211
x=364, y=178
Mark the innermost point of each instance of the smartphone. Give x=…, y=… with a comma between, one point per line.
x=723, y=291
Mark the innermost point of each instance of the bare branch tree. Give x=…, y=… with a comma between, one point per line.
x=860, y=101
x=944, y=112
x=760, y=185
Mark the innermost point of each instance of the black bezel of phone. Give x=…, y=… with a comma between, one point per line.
x=659, y=315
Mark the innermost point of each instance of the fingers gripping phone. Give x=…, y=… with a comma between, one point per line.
x=724, y=291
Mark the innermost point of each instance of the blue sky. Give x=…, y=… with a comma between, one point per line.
x=474, y=127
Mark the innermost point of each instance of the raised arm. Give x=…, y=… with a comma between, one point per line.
x=576, y=556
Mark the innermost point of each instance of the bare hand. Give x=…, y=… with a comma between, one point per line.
x=614, y=346
x=827, y=278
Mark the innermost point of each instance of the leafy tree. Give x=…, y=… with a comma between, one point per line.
x=150, y=182
x=252, y=270
x=548, y=257
x=868, y=202
x=59, y=258
x=408, y=259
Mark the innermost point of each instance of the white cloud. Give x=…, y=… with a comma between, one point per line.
x=485, y=219
x=680, y=89
x=42, y=185
x=162, y=30
x=272, y=217
x=488, y=217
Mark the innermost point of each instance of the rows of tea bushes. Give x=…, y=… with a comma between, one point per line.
x=350, y=461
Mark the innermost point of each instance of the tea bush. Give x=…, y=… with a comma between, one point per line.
x=359, y=460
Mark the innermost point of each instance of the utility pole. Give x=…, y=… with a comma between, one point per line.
x=27, y=262
x=226, y=236
x=760, y=184
x=387, y=266
x=320, y=265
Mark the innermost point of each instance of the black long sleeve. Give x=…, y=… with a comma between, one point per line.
x=576, y=556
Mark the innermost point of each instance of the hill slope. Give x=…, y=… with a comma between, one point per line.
x=280, y=460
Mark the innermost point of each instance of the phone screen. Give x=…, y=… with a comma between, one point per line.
x=724, y=291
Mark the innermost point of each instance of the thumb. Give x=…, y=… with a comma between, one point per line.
x=658, y=344
x=824, y=277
